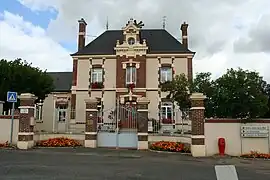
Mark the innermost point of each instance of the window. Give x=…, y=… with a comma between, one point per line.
x=131, y=41
x=38, y=112
x=165, y=74
x=131, y=75
x=97, y=75
x=167, y=110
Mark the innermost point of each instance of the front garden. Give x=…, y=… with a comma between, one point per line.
x=256, y=155
x=58, y=142
x=170, y=147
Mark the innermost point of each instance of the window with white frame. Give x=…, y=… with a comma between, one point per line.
x=131, y=75
x=166, y=110
x=165, y=74
x=97, y=75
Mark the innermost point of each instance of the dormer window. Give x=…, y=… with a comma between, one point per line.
x=131, y=41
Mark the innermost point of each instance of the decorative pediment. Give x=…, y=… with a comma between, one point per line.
x=132, y=27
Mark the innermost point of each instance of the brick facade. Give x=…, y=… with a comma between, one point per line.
x=26, y=121
x=121, y=72
x=197, y=125
x=91, y=117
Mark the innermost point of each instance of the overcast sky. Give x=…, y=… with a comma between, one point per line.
x=223, y=33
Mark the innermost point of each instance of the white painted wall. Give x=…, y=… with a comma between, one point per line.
x=182, y=139
x=5, y=129
x=235, y=144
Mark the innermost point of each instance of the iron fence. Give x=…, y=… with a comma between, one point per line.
x=180, y=124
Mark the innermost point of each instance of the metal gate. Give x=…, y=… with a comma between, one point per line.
x=117, y=128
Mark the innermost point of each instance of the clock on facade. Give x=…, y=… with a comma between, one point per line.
x=131, y=41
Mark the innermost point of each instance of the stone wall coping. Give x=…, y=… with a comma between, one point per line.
x=27, y=96
x=229, y=120
x=197, y=96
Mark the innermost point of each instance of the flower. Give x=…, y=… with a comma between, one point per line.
x=168, y=121
x=97, y=85
x=58, y=142
x=255, y=154
x=169, y=146
x=3, y=145
x=131, y=86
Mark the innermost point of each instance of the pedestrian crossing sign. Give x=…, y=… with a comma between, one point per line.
x=12, y=97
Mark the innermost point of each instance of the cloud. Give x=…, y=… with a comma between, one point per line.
x=218, y=30
x=21, y=39
x=258, y=37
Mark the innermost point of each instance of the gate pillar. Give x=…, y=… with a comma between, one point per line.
x=197, y=125
x=26, y=121
x=142, y=106
x=91, y=123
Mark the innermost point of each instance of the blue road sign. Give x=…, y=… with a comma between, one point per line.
x=12, y=97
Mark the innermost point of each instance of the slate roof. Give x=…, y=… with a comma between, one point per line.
x=159, y=41
x=62, y=81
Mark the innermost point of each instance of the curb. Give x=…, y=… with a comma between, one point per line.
x=40, y=147
x=168, y=152
x=254, y=159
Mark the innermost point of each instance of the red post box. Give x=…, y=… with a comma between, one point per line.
x=221, y=146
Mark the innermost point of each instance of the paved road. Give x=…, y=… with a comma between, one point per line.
x=99, y=164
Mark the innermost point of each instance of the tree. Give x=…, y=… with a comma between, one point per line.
x=236, y=94
x=240, y=94
x=21, y=77
x=178, y=91
x=267, y=115
x=203, y=84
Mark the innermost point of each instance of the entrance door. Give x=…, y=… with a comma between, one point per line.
x=61, y=118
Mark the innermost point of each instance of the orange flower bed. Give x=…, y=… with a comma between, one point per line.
x=169, y=146
x=58, y=142
x=254, y=154
x=4, y=145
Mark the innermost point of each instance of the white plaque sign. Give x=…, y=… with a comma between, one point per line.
x=254, y=131
x=24, y=111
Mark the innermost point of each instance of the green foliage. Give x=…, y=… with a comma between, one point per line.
x=240, y=94
x=236, y=94
x=178, y=90
x=21, y=77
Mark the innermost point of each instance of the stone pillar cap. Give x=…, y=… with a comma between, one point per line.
x=197, y=96
x=27, y=96
x=2, y=102
x=91, y=100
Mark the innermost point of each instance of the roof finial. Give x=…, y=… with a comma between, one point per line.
x=107, y=24
x=164, y=22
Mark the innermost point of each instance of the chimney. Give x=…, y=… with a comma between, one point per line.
x=184, y=28
x=82, y=33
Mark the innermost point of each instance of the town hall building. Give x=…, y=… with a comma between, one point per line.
x=119, y=66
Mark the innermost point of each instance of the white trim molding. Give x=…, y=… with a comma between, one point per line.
x=90, y=133
x=26, y=107
x=197, y=136
x=197, y=108
x=142, y=134
x=25, y=133
x=92, y=110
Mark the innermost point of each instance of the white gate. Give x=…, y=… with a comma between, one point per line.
x=120, y=128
